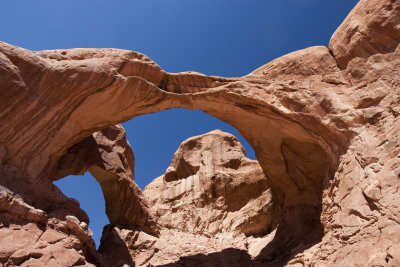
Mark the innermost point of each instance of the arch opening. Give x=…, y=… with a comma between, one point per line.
x=254, y=104
x=156, y=137
x=87, y=191
x=84, y=157
x=306, y=167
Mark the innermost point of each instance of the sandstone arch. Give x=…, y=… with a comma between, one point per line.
x=112, y=94
x=114, y=86
x=305, y=114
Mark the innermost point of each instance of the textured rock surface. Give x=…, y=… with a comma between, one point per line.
x=57, y=237
x=210, y=188
x=211, y=198
x=323, y=122
x=108, y=156
x=30, y=237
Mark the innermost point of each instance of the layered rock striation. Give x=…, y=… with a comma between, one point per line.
x=108, y=156
x=323, y=122
x=212, y=188
x=59, y=236
x=212, y=197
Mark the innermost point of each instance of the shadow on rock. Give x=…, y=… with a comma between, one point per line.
x=300, y=229
x=230, y=257
x=114, y=249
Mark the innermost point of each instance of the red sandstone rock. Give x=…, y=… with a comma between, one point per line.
x=108, y=156
x=324, y=124
x=212, y=198
x=212, y=185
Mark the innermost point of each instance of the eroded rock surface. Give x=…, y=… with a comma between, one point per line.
x=56, y=237
x=108, y=156
x=32, y=237
x=323, y=122
x=211, y=198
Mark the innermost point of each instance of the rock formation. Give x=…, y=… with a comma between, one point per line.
x=324, y=124
x=108, y=156
x=211, y=197
x=57, y=238
x=209, y=187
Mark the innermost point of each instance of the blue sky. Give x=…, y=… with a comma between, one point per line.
x=214, y=37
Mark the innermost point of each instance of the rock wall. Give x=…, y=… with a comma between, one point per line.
x=211, y=197
x=210, y=188
x=323, y=122
x=55, y=236
x=212, y=200
x=108, y=156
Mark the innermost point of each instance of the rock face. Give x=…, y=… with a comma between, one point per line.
x=323, y=122
x=211, y=188
x=108, y=156
x=30, y=237
x=57, y=237
x=211, y=197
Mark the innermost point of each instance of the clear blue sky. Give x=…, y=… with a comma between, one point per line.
x=215, y=37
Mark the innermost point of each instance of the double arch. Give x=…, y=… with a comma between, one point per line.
x=81, y=91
